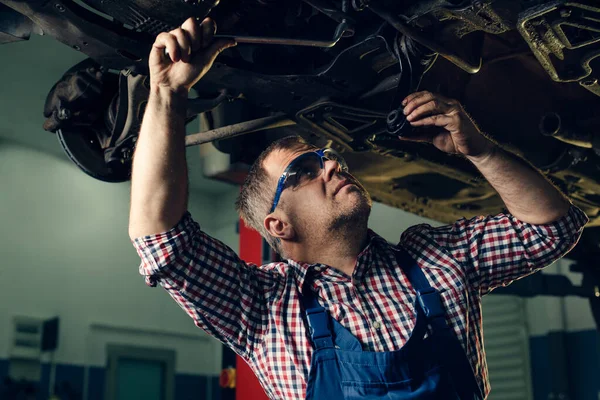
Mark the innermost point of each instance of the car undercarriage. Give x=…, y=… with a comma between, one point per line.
x=527, y=71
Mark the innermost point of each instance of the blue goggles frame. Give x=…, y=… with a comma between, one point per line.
x=322, y=155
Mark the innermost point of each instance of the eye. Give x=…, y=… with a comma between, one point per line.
x=305, y=171
x=302, y=175
x=308, y=173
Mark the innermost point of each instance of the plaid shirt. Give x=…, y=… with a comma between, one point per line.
x=256, y=311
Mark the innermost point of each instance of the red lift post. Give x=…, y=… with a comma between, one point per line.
x=247, y=386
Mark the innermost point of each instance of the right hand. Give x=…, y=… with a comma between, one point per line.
x=191, y=51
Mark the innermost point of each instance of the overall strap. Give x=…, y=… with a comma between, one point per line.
x=319, y=321
x=446, y=344
x=429, y=302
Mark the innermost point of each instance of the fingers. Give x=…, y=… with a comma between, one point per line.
x=415, y=100
x=434, y=120
x=184, y=42
x=165, y=41
x=180, y=43
x=208, y=28
x=216, y=47
x=201, y=35
x=423, y=136
x=194, y=32
x=430, y=108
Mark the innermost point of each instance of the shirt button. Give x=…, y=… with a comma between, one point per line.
x=376, y=325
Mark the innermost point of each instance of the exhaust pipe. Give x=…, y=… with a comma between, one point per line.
x=552, y=124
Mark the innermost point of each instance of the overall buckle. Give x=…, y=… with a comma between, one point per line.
x=318, y=323
x=431, y=303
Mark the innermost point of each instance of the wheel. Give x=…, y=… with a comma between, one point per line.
x=83, y=148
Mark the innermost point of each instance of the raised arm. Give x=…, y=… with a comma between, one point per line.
x=527, y=194
x=159, y=175
x=542, y=225
x=222, y=294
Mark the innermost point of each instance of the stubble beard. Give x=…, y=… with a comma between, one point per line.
x=352, y=218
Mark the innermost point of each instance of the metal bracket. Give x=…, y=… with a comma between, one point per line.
x=349, y=127
x=564, y=36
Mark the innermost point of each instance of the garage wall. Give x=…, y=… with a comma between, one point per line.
x=66, y=252
x=564, y=344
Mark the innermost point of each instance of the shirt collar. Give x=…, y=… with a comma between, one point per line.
x=302, y=269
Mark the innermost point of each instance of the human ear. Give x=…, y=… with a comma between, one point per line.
x=279, y=227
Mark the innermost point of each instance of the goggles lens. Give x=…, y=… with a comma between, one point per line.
x=306, y=168
x=309, y=166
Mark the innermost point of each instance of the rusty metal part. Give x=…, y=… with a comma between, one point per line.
x=552, y=124
x=226, y=132
x=563, y=36
x=464, y=16
x=407, y=30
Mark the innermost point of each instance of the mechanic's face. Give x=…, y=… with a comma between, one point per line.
x=331, y=201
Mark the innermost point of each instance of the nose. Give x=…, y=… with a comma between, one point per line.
x=331, y=167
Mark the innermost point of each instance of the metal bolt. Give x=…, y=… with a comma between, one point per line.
x=64, y=113
x=76, y=47
x=589, y=82
x=596, y=291
x=59, y=7
x=126, y=155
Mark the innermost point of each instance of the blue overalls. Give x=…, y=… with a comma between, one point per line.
x=435, y=367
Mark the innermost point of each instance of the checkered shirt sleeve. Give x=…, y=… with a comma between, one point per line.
x=224, y=296
x=496, y=250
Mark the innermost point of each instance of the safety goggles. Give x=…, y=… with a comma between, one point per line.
x=305, y=168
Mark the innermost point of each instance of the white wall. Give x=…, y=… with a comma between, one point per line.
x=65, y=251
x=390, y=222
x=225, y=218
x=64, y=248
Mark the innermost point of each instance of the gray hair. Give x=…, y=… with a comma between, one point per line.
x=257, y=194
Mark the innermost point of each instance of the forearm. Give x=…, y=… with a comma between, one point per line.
x=159, y=175
x=527, y=194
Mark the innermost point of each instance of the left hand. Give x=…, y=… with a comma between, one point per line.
x=453, y=130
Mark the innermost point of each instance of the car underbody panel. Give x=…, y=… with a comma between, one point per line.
x=526, y=71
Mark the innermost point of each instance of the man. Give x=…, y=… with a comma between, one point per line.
x=347, y=315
